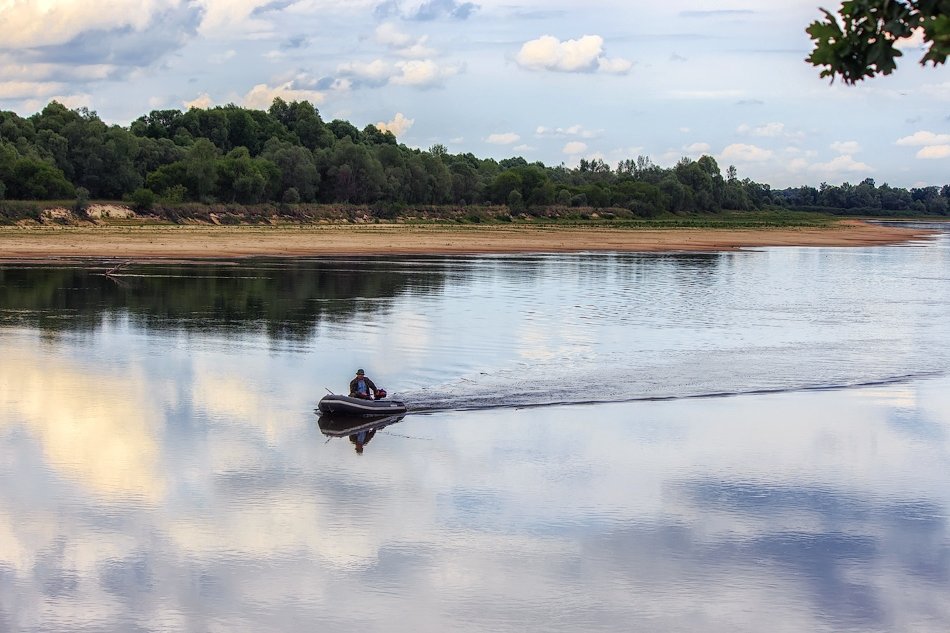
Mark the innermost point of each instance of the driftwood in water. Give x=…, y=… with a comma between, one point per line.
x=112, y=271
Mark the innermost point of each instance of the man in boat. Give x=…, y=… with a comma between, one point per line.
x=362, y=386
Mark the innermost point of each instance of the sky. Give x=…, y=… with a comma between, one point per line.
x=552, y=81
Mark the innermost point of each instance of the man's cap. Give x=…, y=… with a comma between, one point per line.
x=360, y=372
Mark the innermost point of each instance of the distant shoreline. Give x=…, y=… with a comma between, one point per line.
x=198, y=242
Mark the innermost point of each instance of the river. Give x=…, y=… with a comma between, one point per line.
x=745, y=441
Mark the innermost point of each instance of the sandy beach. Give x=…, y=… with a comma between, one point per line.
x=144, y=242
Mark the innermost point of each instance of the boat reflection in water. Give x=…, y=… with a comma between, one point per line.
x=360, y=429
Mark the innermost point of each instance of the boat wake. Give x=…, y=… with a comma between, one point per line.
x=469, y=397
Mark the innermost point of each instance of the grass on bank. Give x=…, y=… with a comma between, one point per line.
x=41, y=212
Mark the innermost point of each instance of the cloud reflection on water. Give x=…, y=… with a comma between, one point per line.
x=97, y=427
x=791, y=512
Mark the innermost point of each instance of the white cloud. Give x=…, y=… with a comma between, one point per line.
x=570, y=56
x=231, y=15
x=422, y=73
x=547, y=52
x=841, y=164
x=614, y=66
x=376, y=72
x=341, y=84
x=399, y=124
x=575, y=147
x=934, y=151
x=523, y=148
x=11, y=69
x=202, y=101
x=29, y=89
x=557, y=132
x=388, y=35
x=46, y=23
x=262, y=96
x=741, y=152
x=417, y=51
x=697, y=148
x=769, y=130
x=846, y=147
x=506, y=138
x=403, y=44
x=924, y=138
x=71, y=101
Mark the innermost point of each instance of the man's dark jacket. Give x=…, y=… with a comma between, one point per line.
x=369, y=385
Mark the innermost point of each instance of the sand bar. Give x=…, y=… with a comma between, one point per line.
x=143, y=242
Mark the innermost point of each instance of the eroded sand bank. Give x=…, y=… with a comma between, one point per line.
x=196, y=242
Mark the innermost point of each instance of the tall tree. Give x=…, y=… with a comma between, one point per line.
x=201, y=169
x=297, y=168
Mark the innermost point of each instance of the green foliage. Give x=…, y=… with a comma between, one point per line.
x=174, y=194
x=81, y=205
x=291, y=196
x=14, y=210
x=372, y=135
x=33, y=179
x=142, y=199
x=515, y=201
x=240, y=178
x=866, y=198
x=230, y=155
x=860, y=40
x=388, y=210
x=504, y=184
x=200, y=169
x=342, y=129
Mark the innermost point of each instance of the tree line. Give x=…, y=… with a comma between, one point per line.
x=289, y=154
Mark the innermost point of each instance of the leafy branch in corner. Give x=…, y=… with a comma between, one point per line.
x=861, y=39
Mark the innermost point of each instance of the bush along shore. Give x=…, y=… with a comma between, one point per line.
x=112, y=213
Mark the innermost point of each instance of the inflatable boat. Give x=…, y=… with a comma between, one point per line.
x=334, y=404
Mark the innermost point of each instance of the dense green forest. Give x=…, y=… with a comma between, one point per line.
x=290, y=155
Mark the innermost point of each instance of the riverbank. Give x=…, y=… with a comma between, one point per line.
x=203, y=241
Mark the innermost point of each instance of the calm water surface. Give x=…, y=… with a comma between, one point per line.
x=162, y=468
